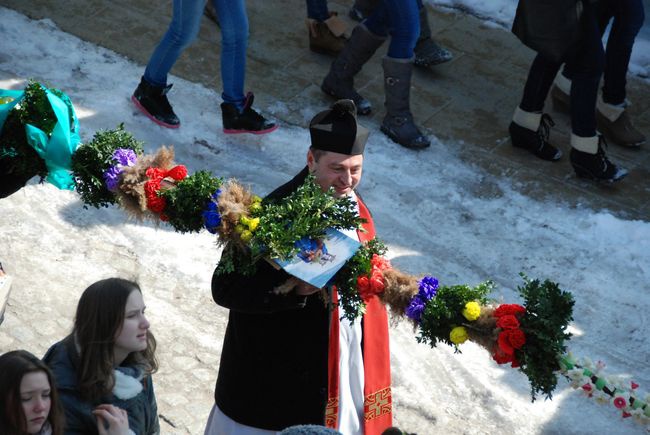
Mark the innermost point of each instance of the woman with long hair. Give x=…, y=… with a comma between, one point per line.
x=29, y=403
x=103, y=368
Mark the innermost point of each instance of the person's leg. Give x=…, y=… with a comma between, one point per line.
x=234, y=42
x=326, y=29
x=236, y=110
x=404, y=28
x=530, y=127
x=628, y=20
x=186, y=20
x=339, y=81
x=588, y=156
x=317, y=10
x=611, y=114
x=151, y=94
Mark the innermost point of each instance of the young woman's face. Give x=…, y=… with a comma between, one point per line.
x=132, y=337
x=35, y=399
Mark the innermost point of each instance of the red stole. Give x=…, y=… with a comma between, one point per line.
x=377, y=403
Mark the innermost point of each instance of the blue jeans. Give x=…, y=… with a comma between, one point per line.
x=399, y=19
x=182, y=32
x=317, y=10
x=628, y=18
x=586, y=63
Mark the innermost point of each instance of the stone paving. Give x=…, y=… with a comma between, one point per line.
x=466, y=103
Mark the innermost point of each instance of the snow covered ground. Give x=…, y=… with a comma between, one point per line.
x=424, y=209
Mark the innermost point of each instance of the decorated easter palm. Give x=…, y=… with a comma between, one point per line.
x=113, y=170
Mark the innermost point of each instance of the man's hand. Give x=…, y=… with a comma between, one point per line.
x=304, y=289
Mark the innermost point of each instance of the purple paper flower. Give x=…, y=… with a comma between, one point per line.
x=112, y=178
x=122, y=157
x=427, y=288
x=125, y=156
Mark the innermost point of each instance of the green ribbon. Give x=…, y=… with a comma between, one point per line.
x=57, y=149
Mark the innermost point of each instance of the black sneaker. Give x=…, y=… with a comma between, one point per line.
x=596, y=166
x=248, y=121
x=152, y=101
x=535, y=141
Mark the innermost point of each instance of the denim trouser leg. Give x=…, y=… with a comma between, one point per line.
x=234, y=41
x=317, y=10
x=628, y=18
x=186, y=19
x=400, y=19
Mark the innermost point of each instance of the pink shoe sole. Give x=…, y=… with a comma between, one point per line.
x=268, y=130
x=148, y=115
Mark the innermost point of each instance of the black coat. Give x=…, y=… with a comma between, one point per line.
x=273, y=370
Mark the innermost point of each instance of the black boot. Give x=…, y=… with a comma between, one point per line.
x=535, y=142
x=248, y=121
x=597, y=166
x=427, y=52
x=398, y=123
x=152, y=101
x=339, y=82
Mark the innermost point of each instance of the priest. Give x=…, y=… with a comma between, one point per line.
x=293, y=358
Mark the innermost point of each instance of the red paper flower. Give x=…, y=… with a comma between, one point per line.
x=379, y=263
x=516, y=338
x=620, y=402
x=501, y=357
x=154, y=173
x=177, y=172
x=507, y=322
x=508, y=309
x=504, y=343
x=156, y=204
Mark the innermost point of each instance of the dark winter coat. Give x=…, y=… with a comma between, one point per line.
x=62, y=358
x=273, y=370
x=553, y=28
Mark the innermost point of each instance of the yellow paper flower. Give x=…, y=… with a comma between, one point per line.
x=472, y=311
x=253, y=223
x=458, y=335
x=239, y=228
x=246, y=236
x=255, y=207
x=5, y=100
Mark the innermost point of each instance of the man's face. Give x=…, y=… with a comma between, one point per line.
x=340, y=171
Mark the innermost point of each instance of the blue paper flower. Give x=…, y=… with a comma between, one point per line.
x=211, y=215
x=112, y=178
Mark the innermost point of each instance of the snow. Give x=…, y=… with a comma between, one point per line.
x=428, y=215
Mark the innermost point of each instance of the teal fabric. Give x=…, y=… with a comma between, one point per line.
x=57, y=149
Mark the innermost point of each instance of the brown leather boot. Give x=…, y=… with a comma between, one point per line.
x=327, y=37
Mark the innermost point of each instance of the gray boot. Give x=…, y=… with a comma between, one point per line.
x=427, y=52
x=339, y=82
x=398, y=123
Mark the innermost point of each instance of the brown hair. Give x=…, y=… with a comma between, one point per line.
x=14, y=366
x=99, y=318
